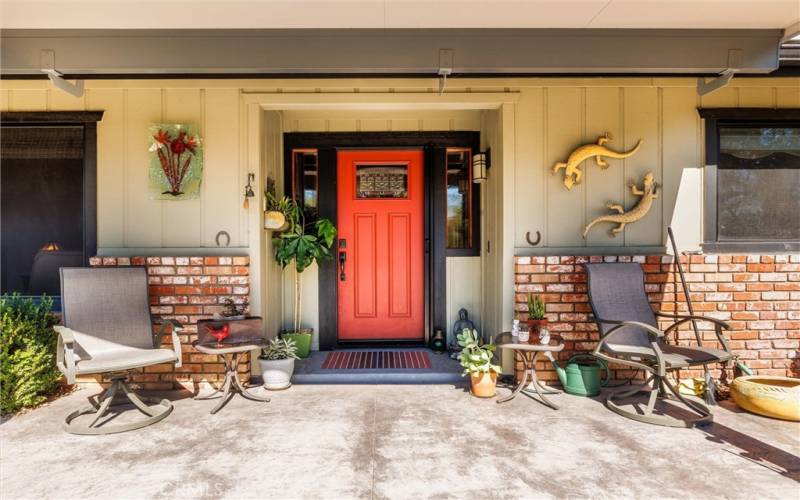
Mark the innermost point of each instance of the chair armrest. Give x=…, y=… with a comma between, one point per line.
x=653, y=333
x=65, y=353
x=176, y=341
x=718, y=326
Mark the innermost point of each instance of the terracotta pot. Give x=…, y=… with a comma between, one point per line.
x=484, y=384
x=536, y=326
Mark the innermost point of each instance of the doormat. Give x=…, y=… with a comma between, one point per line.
x=377, y=360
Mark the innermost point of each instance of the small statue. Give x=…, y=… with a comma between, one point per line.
x=458, y=327
x=572, y=167
x=648, y=193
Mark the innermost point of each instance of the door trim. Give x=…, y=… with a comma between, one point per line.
x=327, y=144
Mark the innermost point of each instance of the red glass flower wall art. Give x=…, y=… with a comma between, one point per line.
x=176, y=161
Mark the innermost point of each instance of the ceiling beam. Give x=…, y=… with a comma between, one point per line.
x=387, y=52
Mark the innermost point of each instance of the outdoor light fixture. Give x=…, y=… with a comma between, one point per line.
x=480, y=166
x=248, y=191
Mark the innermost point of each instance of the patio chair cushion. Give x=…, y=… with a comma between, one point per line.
x=674, y=356
x=125, y=358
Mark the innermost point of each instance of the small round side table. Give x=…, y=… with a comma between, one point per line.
x=528, y=353
x=230, y=354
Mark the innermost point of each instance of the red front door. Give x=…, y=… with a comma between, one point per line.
x=380, y=250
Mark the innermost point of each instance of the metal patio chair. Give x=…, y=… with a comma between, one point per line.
x=107, y=329
x=629, y=336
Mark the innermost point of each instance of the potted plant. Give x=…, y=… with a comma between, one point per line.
x=232, y=310
x=279, y=212
x=536, y=317
x=277, y=364
x=302, y=244
x=476, y=358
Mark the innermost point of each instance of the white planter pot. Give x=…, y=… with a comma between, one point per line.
x=277, y=373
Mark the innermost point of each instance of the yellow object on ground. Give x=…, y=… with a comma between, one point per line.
x=692, y=386
x=776, y=397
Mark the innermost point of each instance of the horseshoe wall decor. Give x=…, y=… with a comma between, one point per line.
x=538, y=238
x=225, y=235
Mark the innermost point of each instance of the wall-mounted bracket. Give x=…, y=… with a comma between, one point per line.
x=734, y=64
x=445, y=67
x=48, y=67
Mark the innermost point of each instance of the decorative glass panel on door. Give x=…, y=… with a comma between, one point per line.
x=381, y=181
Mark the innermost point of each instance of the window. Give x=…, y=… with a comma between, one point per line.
x=752, y=180
x=460, y=207
x=381, y=181
x=305, y=184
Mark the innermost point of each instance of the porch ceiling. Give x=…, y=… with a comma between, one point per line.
x=278, y=14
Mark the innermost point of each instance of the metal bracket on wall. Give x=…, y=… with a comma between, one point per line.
x=533, y=243
x=445, y=67
x=734, y=63
x=48, y=66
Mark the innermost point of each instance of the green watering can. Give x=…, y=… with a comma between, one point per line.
x=582, y=375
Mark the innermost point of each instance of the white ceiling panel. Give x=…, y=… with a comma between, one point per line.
x=274, y=14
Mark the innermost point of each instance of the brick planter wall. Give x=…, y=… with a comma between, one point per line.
x=758, y=295
x=188, y=289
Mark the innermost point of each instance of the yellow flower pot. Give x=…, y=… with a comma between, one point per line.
x=776, y=397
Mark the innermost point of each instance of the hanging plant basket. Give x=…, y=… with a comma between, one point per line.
x=275, y=221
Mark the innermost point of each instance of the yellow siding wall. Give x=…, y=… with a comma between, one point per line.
x=127, y=217
x=551, y=117
x=552, y=120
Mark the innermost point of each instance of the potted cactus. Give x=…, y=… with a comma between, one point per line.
x=476, y=359
x=277, y=364
x=536, y=317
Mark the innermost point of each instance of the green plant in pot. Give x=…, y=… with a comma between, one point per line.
x=302, y=245
x=277, y=363
x=476, y=359
x=280, y=211
x=536, y=317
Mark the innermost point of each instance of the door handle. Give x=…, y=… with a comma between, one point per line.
x=342, y=260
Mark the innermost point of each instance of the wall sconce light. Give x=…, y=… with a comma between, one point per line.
x=480, y=166
x=248, y=191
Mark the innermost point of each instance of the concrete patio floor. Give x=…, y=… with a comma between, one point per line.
x=433, y=441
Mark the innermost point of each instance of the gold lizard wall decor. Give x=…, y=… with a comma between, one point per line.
x=648, y=194
x=572, y=171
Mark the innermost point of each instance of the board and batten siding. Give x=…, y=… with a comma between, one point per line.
x=127, y=217
x=552, y=121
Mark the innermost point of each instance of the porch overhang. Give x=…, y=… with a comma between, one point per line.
x=396, y=52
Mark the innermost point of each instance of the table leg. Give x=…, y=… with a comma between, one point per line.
x=522, y=383
x=241, y=388
x=538, y=387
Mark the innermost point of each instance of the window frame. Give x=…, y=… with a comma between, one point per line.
x=474, y=248
x=715, y=119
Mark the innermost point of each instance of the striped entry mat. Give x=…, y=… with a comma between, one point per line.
x=376, y=360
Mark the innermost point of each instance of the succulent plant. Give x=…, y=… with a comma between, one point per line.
x=475, y=357
x=535, y=307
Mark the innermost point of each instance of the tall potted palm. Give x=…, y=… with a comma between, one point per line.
x=302, y=245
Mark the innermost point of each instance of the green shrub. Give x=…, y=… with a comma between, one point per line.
x=28, y=370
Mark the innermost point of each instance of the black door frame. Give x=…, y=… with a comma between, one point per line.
x=88, y=121
x=434, y=145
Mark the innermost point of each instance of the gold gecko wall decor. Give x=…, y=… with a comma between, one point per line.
x=572, y=172
x=621, y=218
